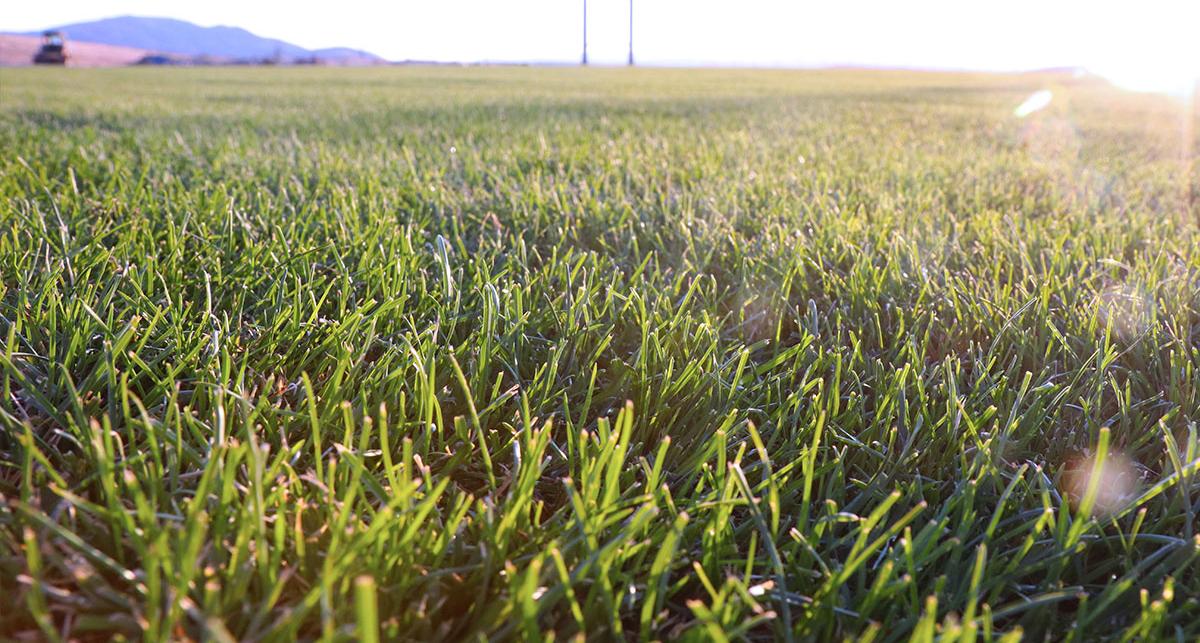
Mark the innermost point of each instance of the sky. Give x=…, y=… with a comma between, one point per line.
x=1140, y=44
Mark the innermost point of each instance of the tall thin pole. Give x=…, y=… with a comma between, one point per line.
x=584, y=32
x=631, y=33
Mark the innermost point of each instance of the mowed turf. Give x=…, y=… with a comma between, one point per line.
x=465, y=353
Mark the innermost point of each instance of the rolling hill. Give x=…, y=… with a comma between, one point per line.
x=169, y=35
x=18, y=50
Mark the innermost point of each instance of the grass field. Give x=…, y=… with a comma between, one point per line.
x=446, y=354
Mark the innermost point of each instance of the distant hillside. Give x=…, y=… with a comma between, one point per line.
x=181, y=37
x=18, y=51
x=343, y=52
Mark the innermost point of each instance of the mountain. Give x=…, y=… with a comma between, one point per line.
x=181, y=37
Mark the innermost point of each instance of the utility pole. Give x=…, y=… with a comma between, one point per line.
x=585, y=32
x=631, y=33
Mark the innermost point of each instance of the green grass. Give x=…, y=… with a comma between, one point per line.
x=445, y=354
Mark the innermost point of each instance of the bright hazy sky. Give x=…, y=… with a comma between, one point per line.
x=1146, y=44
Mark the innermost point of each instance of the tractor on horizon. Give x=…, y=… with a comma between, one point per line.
x=53, y=50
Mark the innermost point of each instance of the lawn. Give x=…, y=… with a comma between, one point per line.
x=521, y=353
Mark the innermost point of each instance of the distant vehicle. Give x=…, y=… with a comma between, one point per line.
x=157, y=59
x=54, y=49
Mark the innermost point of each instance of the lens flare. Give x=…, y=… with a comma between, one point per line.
x=1116, y=482
x=1036, y=102
x=1130, y=312
x=1050, y=140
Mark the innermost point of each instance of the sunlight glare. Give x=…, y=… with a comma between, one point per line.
x=1037, y=101
x=1117, y=482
